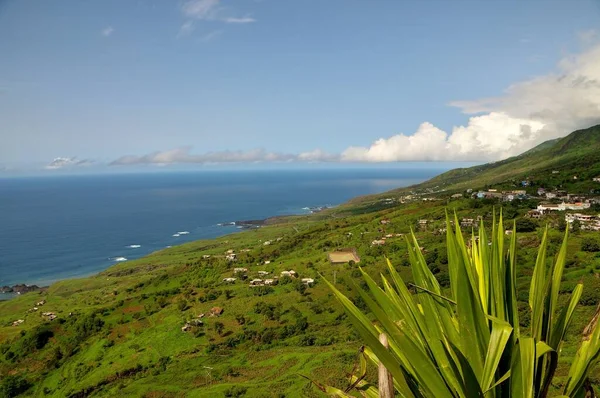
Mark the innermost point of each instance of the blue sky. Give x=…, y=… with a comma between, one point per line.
x=227, y=81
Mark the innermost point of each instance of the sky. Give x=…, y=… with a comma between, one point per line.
x=156, y=82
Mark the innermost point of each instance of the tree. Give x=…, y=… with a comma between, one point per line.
x=576, y=226
x=526, y=225
x=468, y=342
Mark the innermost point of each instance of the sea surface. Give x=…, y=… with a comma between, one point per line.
x=60, y=227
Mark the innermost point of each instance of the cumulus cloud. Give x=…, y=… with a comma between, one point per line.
x=109, y=30
x=62, y=163
x=528, y=114
x=184, y=155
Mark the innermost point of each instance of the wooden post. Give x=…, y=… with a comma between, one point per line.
x=386, y=384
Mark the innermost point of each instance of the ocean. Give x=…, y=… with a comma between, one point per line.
x=60, y=227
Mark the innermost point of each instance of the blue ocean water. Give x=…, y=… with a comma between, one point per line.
x=60, y=227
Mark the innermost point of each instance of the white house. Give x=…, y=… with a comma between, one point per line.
x=229, y=280
x=308, y=281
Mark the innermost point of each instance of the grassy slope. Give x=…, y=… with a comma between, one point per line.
x=126, y=296
x=141, y=351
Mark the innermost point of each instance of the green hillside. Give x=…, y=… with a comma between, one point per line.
x=120, y=332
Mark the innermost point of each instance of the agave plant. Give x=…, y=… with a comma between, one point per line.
x=467, y=342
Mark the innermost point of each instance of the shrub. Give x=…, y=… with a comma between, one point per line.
x=590, y=245
x=235, y=391
x=591, y=292
x=13, y=385
x=470, y=341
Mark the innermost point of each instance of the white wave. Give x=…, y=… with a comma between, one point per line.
x=306, y=208
x=219, y=224
x=183, y=232
x=119, y=259
x=176, y=235
x=134, y=246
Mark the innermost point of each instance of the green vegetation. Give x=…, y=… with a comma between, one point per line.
x=467, y=340
x=136, y=329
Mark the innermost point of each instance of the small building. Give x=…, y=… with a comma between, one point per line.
x=550, y=195
x=267, y=243
x=378, y=242
x=508, y=232
x=544, y=208
x=534, y=214
x=231, y=257
x=385, y=221
x=541, y=191
x=290, y=273
x=229, y=280
x=206, y=256
x=271, y=282
x=467, y=222
x=596, y=179
x=40, y=303
x=256, y=282
x=230, y=251
x=18, y=322
x=308, y=281
x=49, y=315
x=263, y=273
x=267, y=262
x=343, y=256
x=457, y=196
x=239, y=270
x=555, y=171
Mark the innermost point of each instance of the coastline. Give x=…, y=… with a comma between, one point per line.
x=241, y=226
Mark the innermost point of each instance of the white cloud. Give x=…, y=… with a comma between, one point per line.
x=109, y=30
x=210, y=35
x=184, y=155
x=208, y=10
x=186, y=29
x=200, y=9
x=239, y=20
x=317, y=156
x=62, y=163
x=528, y=114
